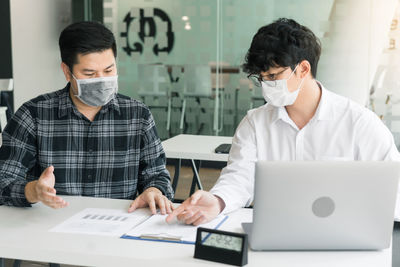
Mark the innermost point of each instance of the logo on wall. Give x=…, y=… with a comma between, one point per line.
x=147, y=27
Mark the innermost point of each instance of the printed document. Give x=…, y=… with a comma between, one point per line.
x=109, y=222
x=140, y=224
x=156, y=228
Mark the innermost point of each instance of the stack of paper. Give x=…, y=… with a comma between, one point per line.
x=140, y=224
x=155, y=228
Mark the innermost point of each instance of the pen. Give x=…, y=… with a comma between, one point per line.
x=159, y=237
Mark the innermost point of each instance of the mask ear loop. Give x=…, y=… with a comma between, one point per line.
x=302, y=80
x=293, y=71
x=301, y=84
x=77, y=84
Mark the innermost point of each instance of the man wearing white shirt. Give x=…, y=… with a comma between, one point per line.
x=301, y=121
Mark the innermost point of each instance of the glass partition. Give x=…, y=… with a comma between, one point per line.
x=182, y=58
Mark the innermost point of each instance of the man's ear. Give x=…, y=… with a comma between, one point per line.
x=66, y=71
x=304, y=68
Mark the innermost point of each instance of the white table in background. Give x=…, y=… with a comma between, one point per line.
x=24, y=234
x=3, y=118
x=195, y=148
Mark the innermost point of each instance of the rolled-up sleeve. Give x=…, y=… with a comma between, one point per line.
x=236, y=184
x=152, y=170
x=375, y=142
x=17, y=155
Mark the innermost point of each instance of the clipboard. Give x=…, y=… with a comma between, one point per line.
x=156, y=229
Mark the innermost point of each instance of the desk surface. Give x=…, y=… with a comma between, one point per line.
x=198, y=147
x=24, y=235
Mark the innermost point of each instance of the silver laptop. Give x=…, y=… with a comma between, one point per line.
x=323, y=205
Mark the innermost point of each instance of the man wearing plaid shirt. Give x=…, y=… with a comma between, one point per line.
x=85, y=139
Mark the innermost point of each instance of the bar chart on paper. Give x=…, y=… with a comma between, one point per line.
x=108, y=222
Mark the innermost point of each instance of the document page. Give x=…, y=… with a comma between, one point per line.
x=109, y=222
x=157, y=228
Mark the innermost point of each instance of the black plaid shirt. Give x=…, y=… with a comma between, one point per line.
x=117, y=155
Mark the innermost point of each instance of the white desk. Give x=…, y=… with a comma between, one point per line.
x=24, y=235
x=194, y=147
x=197, y=147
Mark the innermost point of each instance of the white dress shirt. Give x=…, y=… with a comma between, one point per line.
x=340, y=130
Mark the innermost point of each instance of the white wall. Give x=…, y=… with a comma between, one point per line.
x=353, y=44
x=35, y=29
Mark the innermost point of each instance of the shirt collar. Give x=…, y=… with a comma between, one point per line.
x=278, y=113
x=112, y=105
x=66, y=106
x=325, y=110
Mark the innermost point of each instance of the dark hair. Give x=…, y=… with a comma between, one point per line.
x=282, y=43
x=83, y=38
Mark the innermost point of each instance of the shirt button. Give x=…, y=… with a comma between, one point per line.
x=90, y=150
x=89, y=176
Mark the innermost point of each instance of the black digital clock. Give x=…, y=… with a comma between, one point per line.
x=221, y=246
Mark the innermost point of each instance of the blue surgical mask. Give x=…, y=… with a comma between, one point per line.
x=97, y=91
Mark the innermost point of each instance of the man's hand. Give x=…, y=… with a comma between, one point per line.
x=200, y=208
x=43, y=190
x=152, y=197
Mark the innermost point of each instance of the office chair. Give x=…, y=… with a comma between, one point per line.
x=7, y=100
x=155, y=85
x=197, y=84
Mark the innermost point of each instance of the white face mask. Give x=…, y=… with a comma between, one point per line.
x=277, y=93
x=97, y=91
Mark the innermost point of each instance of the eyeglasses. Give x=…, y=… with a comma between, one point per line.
x=270, y=78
